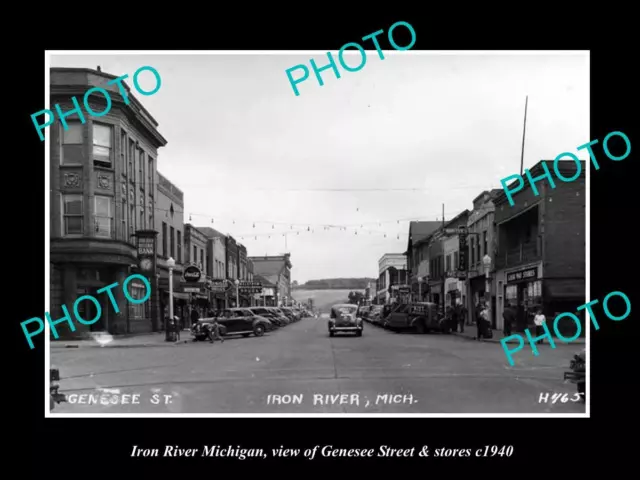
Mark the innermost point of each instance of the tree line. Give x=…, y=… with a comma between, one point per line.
x=335, y=284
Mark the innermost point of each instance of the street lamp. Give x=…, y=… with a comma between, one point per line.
x=486, y=262
x=420, y=280
x=237, y=282
x=170, y=264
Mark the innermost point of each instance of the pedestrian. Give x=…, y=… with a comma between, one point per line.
x=483, y=318
x=214, y=331
x=194, y=316
x=460, y=314
x=509, y=316
x=539, y=320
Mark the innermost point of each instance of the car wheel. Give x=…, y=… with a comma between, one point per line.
x=258, y=330
x=581, y=391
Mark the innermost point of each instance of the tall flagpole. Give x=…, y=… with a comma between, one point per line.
x=524, y=129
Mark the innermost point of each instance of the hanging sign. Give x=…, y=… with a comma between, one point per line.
x=192, y=274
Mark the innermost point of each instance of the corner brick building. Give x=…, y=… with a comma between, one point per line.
x=541, y=248
x=103, y=189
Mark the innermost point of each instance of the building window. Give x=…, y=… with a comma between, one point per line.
x=195, y=255
x=102, y=143
x=71, y=152
x=202, y=258
x=151, y=211
x=179, y=257
x=141, y=169
x=103, y=216
x=132, y=218
x=150, y=174
x=123, y=152
x=484, y=242
x=72, y=215
x=172, y=245
x=123, y=219
x=131, y=170
x=137, y=291
x=456, y=260
x=448, y=268
x=164, y=239
x=141, y=226
x=206, y=266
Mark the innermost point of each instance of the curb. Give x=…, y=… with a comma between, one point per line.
x=497, y=340
x=134, y=345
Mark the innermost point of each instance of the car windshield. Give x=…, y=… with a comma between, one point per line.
x=346, y=310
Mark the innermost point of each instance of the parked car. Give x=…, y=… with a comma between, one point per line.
x=242, y=321
x=344, y=318
x=375, y=314
x=420, y=317
x=270, y=315
x=577, y=374
x=289, y=314
x=280, y=315
x=295, y=316
x=363, y=311
x=202, y=326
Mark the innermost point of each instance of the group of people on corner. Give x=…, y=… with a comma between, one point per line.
x=177, y=324
x=458, y=316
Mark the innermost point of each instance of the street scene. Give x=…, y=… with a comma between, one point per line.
x=392, y=373
x=346, y=251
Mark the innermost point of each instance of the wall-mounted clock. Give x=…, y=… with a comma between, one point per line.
x=146, y=264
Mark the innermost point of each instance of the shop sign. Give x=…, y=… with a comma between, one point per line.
x=520, y=275
x=463, y=250
x=217, y=285
x=191, y=289
x=192, y=274
x=146, y=248
x=250, y=287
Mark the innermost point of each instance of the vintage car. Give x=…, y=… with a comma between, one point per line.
x=280, y=314
x=200, y=328
x=375, y=314
x=577, y=373
x=291, y=313
x=420, y=317
x=234, y=321
x=270, y=315
x=344, y=318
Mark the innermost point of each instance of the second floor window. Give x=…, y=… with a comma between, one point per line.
x=72, y=214
x=448, y=266
x=103, y=216
x=71, y=151
x=179, y=256
x=102, y=143
x=123, y=153
x=172, y=245
x=164, y=240
x=195, y=255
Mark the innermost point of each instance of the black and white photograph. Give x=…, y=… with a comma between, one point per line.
x=282, y=234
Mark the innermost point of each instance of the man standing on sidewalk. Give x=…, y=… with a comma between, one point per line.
x=509, y=316
x=539, y=320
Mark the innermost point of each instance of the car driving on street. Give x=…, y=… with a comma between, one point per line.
x=344, y=318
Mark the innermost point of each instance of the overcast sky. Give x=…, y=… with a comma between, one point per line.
x=245, y=149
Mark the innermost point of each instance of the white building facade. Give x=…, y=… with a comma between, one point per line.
x=392, y=271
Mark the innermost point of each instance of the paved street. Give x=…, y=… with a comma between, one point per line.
x=423, y=373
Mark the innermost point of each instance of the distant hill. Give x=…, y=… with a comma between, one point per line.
x=323, y=299
x=336, y=284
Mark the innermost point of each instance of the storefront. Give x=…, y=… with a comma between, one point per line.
x=435, y=292
x=455, y=292
x=523, y=291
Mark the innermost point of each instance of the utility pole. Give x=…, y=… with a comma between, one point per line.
x=524, y=129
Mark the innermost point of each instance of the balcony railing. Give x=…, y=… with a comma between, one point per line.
x=523, y=253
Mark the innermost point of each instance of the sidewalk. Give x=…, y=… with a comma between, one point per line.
x=104, y=340
x=471, y=331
